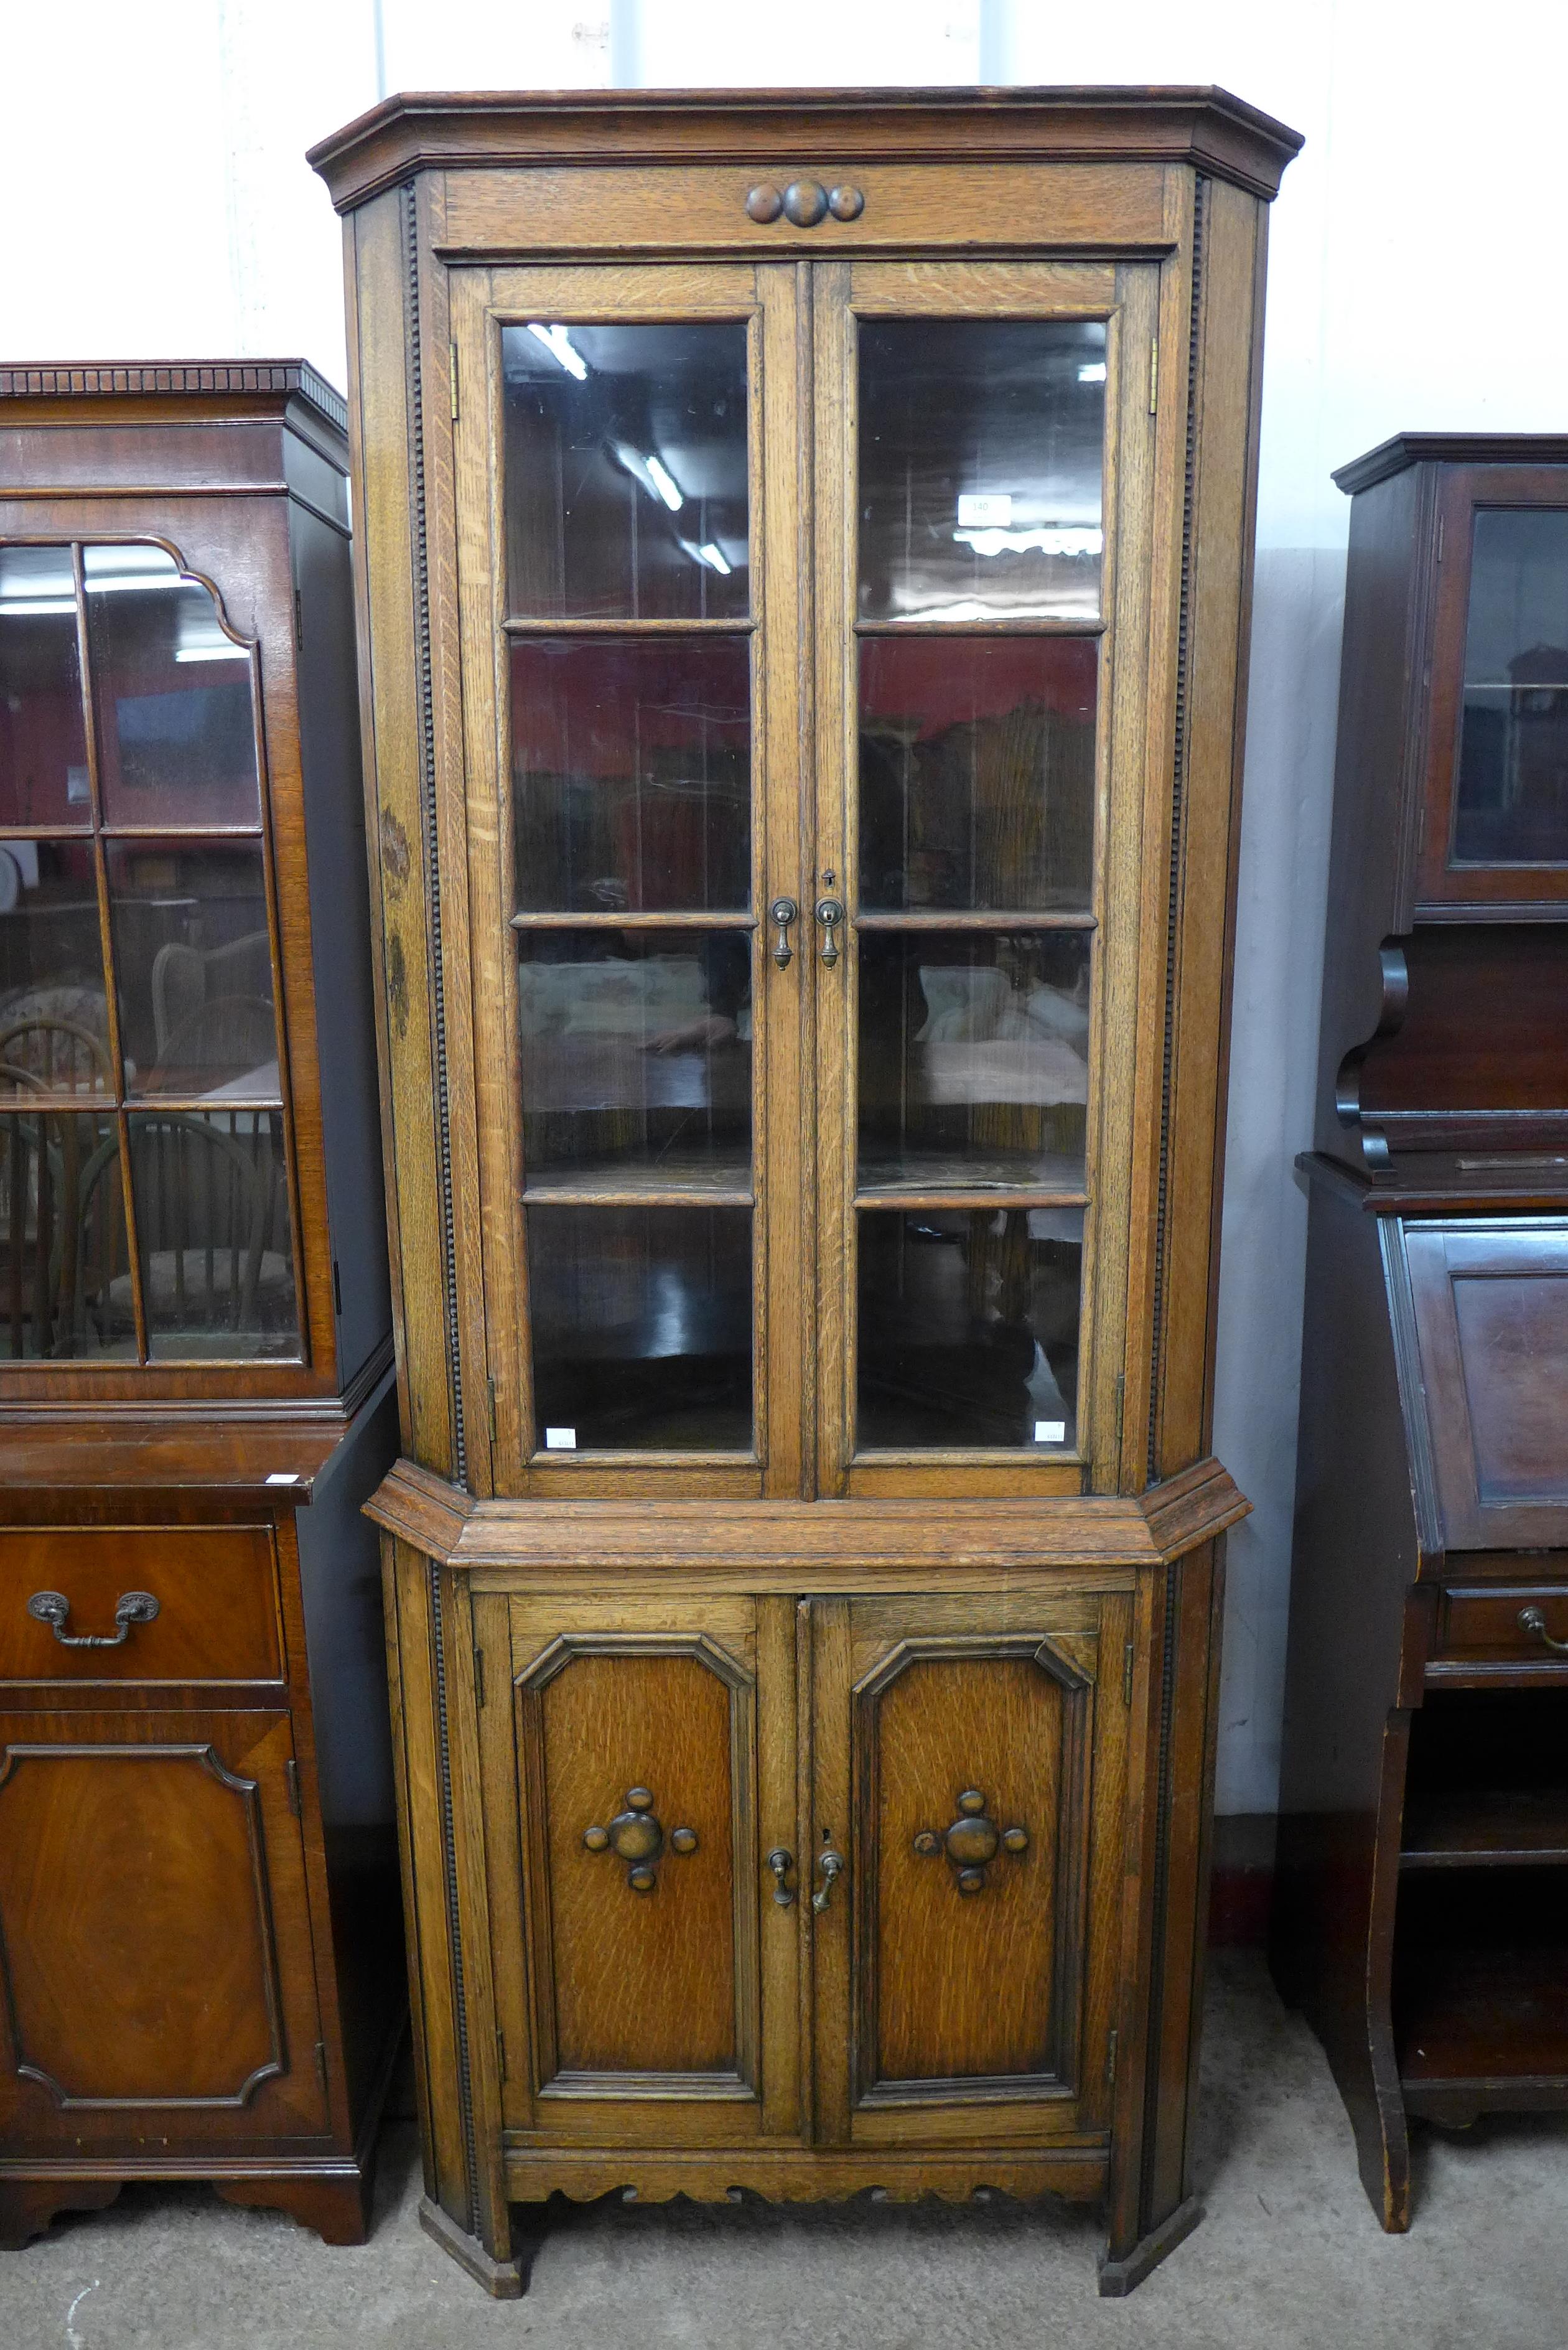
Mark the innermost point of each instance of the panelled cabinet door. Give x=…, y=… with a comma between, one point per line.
x=971, y=1774
x=654, y=1760
x=158, y=1977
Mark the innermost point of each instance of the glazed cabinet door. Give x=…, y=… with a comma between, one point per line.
x=969, y=1780
x=155, y=1938
x=985, y=701
x=647, y=1984
x=628, y=516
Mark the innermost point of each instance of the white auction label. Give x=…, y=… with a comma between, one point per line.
x=560, y=1439
x=1050, y=1431
x=990, y=511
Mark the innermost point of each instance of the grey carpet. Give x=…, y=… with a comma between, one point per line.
x=1289, y=2253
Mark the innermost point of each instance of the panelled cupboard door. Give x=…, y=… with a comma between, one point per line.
x=154, y=1933
x=806, y=628
x=970, y=1773
x=654, y=1752
x=628, y=501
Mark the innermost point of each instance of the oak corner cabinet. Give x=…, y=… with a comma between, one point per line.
x=804, y=587
x=201, y=1961
x=1421, y=1897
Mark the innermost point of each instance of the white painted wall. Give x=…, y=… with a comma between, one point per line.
x=159, y=207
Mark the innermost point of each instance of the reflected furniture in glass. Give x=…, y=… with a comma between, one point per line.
x=804, y=590
x=1421, y=1906
x=199, y=1897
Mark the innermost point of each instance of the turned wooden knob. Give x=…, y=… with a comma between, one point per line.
x=804, y=202
x=764, y=203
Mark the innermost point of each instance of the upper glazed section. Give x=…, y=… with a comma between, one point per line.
x=464, y=130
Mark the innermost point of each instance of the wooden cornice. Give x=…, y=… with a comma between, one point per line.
x=1407, y=449
x=466, y=130
x=808, y=1539
x=189, y=388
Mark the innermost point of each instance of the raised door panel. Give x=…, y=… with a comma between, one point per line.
x=637, y=1741
x=1492, y=1312
x=986, y=1754
x=158, y=1972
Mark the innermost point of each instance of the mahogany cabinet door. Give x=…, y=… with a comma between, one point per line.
x=654, y=1752
x=969, y=1771
x=1494, y=830
x=156, y=1963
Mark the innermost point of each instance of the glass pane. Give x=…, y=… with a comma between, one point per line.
x=176, y=733
x=973, y=1058
x=631, y=774
x=642, y=1329
x=980, y=445
x=64, y=1266
x=637, y=1056
x=43, y=743
x=194, y=968
x=1511, y=806
x=213, y=1234
x=968, y=1328
x=977, y=772
x=626, y=471
x=54, y=1008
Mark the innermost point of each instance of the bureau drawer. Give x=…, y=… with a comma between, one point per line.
x=216, y=1588
x=1511, y=1624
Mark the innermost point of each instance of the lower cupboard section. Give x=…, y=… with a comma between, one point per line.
x=844, y=1871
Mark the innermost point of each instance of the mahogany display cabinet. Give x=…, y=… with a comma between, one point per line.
x=802, y=594
x=201, y=1961
x=1421, y=1909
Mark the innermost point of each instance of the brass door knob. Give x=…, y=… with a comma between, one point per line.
x=781, y=1861
x=971, y=1843
x=637, y=1836
x=781, y=914
x=831, y=1866
x=830, y=915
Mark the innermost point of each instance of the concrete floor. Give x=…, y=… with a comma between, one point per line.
x=1289, y=2254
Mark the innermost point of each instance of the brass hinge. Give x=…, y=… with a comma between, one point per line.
x=321, y=2065
x=452, y=349
x=1154, y=375
x=1129, y=1654
x=291, y=1780
x=490, y=1396
x=479, y=1677
x=501, y=2052
x=298, y=622
x=1111, y=2062
x=1121, y=1408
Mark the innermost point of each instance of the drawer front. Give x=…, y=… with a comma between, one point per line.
x=1512, y=1624
x=216, y=1589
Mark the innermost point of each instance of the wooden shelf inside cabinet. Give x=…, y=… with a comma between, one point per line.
x=1467, y=2017
x=805, y=1305
x=1494, y=1828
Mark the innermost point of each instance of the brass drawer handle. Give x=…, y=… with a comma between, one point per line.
x=831, y=1864
x=781, y=913
x=1532, y=1621
x=971, y=1843
x=781, y=1861
x=637, y=1836
x=53, y=1608
x=829, y=914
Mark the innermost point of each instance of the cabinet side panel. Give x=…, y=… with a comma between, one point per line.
x=331, y=767
x=1356, y=1556
x=1220, y=498
x=1377, y=774
x=395, y=819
